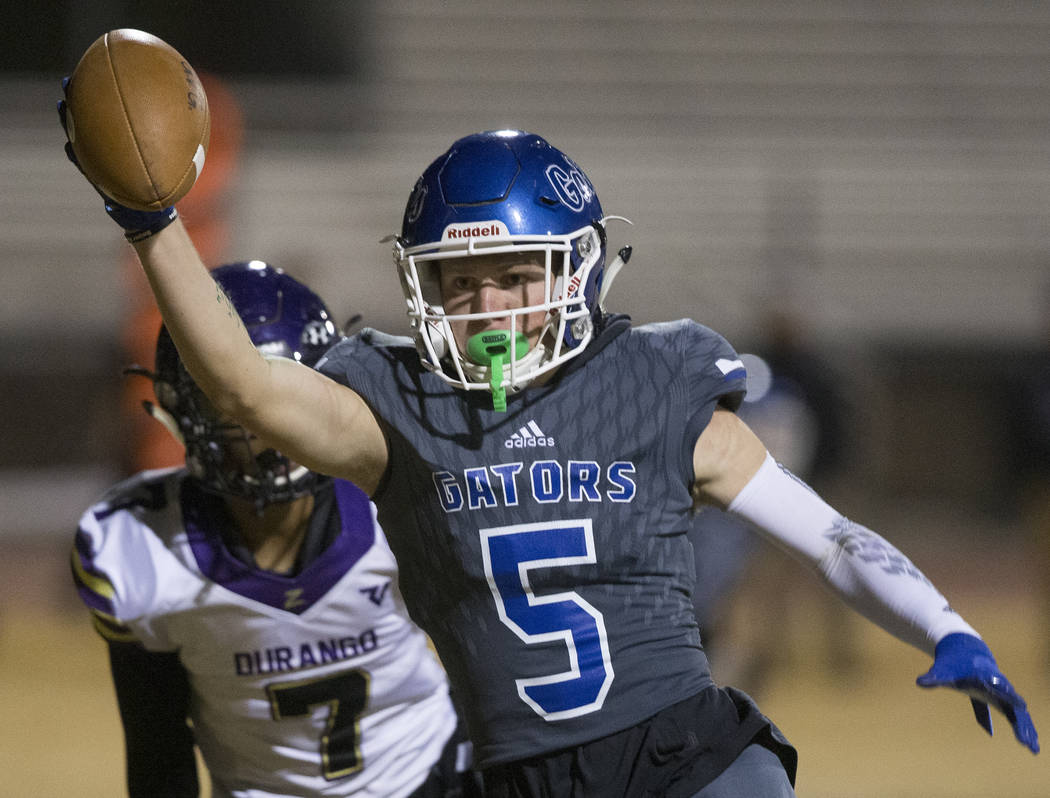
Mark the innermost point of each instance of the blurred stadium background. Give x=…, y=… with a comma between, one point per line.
x=876, y=173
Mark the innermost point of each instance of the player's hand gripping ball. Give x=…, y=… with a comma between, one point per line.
x=137, y=119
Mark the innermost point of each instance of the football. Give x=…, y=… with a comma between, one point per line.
x=137, y=119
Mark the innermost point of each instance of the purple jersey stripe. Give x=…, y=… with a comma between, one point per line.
x=291, y=593
x=94, y=588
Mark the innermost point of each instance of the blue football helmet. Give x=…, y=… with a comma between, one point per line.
x=496, y=192
x=283, y=318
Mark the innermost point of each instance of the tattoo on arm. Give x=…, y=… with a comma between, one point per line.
x=222, y=298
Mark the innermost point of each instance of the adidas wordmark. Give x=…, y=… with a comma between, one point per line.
x=527, y=437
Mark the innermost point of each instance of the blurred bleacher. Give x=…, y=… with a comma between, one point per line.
x=880, y=169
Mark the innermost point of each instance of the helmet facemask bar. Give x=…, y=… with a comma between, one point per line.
x=220, y=455
x=566, y=328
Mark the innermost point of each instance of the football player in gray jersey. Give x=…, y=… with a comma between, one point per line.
x=536, y=462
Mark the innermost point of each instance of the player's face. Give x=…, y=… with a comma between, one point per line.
x=240, y=450
x=493, y=284
x=240, y=447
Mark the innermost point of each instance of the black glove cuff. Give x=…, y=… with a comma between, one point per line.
x=162, y=220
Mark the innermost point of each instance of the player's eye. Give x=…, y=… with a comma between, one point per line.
x=523, y=276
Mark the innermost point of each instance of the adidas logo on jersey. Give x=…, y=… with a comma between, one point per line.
x=528, y=437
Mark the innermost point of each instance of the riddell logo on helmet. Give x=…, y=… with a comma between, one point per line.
x=483, y=230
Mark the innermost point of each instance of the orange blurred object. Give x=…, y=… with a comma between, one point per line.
x=205, y=212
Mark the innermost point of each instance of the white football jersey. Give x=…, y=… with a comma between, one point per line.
x=317, y=684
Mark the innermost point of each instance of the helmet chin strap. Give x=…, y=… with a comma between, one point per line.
x=165, y=418
x=491, y=348
x=611, y=271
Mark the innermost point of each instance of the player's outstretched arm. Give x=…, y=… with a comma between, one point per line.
x=302, y=413
x=734, y=470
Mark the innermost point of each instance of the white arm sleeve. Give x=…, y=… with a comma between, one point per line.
x=865, y=570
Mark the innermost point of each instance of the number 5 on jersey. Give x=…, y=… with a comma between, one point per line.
x=510, y=552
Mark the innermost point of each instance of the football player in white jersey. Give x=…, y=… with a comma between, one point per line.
x=251, y=606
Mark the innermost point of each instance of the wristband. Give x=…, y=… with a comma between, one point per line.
x=140, y=225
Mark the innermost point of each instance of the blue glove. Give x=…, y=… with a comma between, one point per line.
x=137, y=225
x=963, y=662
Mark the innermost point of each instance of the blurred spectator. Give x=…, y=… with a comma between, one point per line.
x=806, y=390
x=1030, y=450
x=206, y=213
x=795, y=403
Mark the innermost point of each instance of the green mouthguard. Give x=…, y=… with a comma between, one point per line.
x=491, y=349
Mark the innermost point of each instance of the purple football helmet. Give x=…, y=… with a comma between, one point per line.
x=283, y=318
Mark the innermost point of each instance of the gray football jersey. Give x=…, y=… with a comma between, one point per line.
x=544, y=549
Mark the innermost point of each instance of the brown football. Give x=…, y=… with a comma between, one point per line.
x=138, y=120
